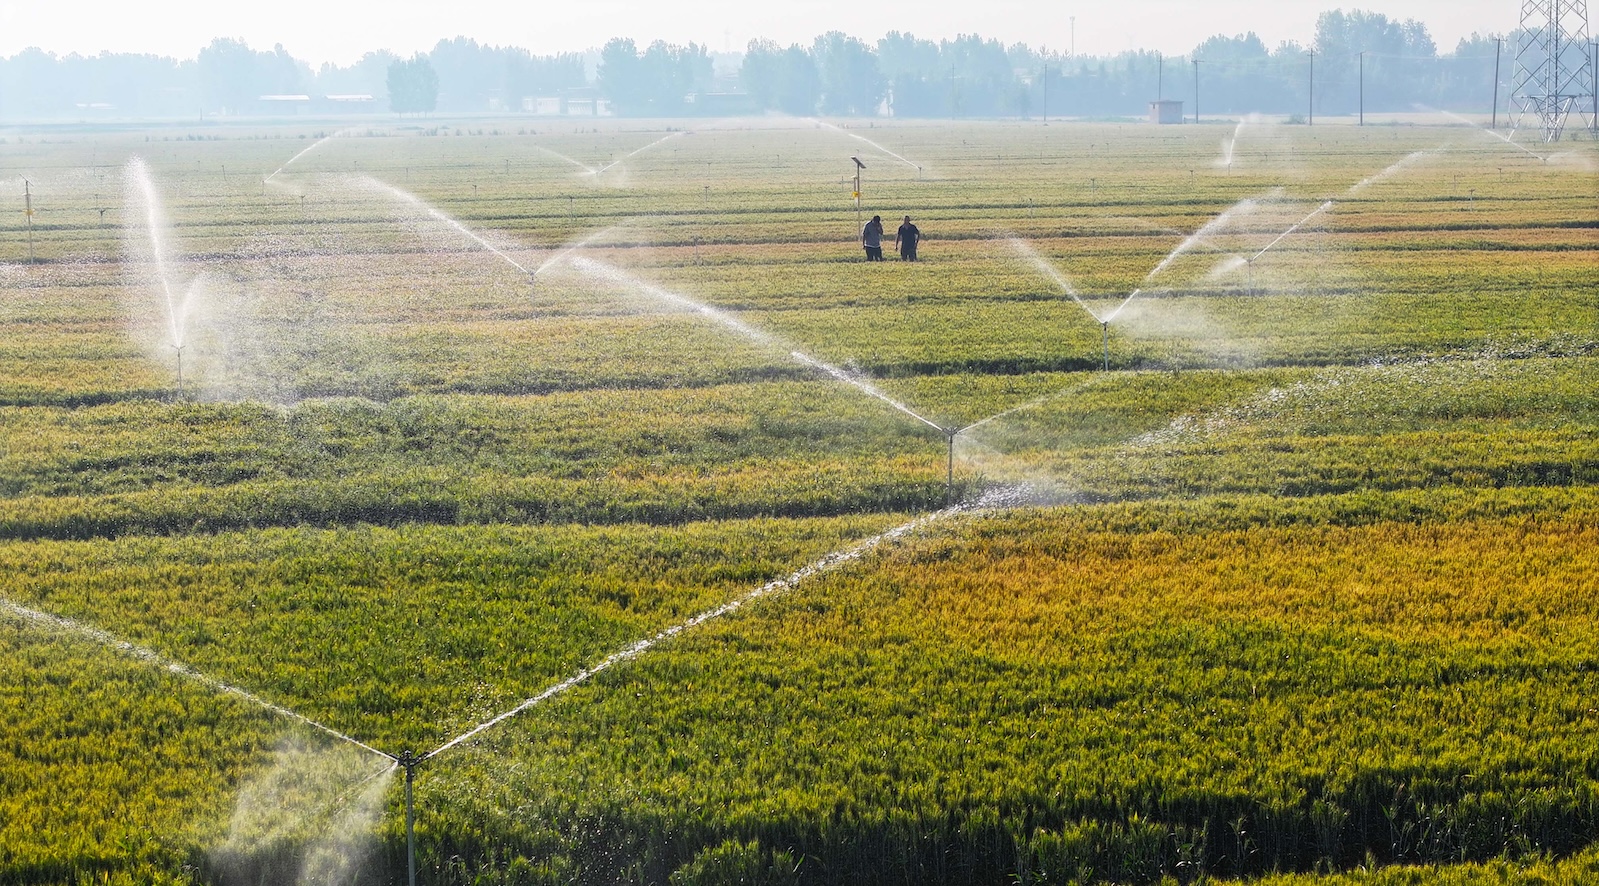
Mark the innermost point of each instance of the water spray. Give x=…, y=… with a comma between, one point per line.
x=908, y=162
x=1297, y=225
x=439, y=215
x=597, y=172
x=156, y=659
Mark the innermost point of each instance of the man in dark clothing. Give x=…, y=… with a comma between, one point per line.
x=905, y=238
x=872, y=238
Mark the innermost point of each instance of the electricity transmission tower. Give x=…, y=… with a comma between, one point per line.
x=1553, y=71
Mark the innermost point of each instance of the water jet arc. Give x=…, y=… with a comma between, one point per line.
x=1296, y=226
x=150, y=656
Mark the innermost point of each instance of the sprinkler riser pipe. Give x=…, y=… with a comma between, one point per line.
x=408, y=762
x=949, y=474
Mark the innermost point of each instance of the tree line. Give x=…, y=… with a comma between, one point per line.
x=1356, y=60
x=229, y=77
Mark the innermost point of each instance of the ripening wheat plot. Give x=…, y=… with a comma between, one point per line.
x=1204, y=503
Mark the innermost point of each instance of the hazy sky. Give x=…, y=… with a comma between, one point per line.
x=340, y=30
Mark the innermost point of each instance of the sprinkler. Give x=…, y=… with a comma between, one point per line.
x=533, y=278
x=409, y=761
x=1105, y=328
x=179, y=349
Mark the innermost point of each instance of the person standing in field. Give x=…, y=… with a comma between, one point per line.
x=905, y=238
x=872, y=238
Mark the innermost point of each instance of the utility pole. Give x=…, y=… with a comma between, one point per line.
x=1363, y=87
x=1593, y=69
x=1196, y=92
x=1046, y=92
x=1499, y=48
x=1160, y=77
x=1310, y=101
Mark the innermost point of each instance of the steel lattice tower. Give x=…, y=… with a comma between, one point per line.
x=1553, y=71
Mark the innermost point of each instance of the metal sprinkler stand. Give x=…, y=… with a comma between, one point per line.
x=1105, y=327
x=179, y=349
x=408, y=761
x=949, y=474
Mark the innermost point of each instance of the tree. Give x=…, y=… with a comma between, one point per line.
x=912, y=68
x=1399, y=66
x=657, y=81
x=850, y=80
x=1240, y=76
x=620, y=75
x=413, y=85
x=367, y=76
x=980, y=75
x=780, y=79
x=233, y=76
x=671, y=72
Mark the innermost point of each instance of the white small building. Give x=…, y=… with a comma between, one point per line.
x=1165, y=111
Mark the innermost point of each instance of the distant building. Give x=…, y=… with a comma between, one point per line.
x=578, y=101
x=283, y=105
x=721, y=104
x=1165, y=111
x=347, y=104
x=328, y=105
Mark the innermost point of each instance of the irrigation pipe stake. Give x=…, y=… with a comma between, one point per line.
x=949, y=473
x=408, y=762
x=27, y=211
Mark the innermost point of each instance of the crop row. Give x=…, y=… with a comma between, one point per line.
x=1028, y=695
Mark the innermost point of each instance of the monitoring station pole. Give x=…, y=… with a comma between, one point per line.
x=858, y=167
